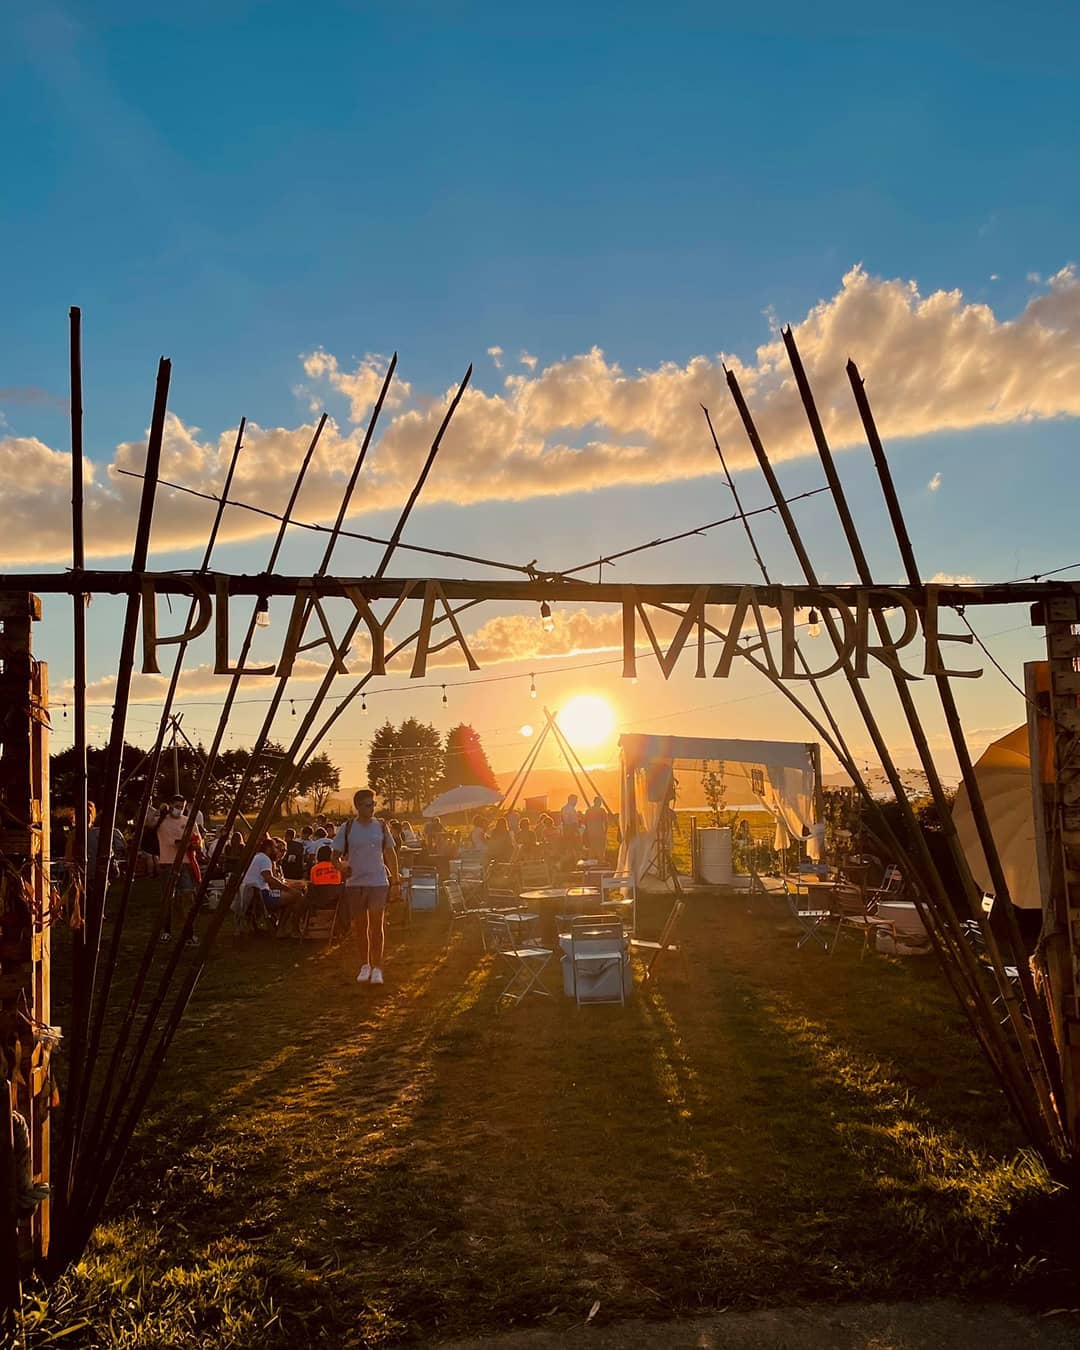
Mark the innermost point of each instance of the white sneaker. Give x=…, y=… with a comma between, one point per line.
x=376, y=976
x=365, y=974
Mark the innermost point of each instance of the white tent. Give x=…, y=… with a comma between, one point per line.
x=781, y=775
x=1003, y=772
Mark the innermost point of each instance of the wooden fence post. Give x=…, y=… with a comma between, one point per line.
x=25, y=1006
x=1061, y=916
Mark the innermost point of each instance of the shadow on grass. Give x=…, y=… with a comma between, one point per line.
x=327, y=1163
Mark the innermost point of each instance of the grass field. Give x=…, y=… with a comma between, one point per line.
x=330, y=1164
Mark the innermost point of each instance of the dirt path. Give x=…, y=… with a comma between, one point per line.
x=937, y=1324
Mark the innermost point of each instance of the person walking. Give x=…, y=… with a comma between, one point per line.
x=364, y=853
x=184, y=868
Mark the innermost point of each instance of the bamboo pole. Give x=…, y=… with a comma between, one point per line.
x=1035, y=1125
x=84, y=970
x=146, y=798
x=944, y=926
x=967, y=771
x=125, y=1126
x=78, y=558
x=569, y=752
x=169, y=886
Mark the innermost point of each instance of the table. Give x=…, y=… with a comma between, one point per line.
x=552, y=901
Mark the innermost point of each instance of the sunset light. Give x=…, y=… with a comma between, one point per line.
x=588, y=720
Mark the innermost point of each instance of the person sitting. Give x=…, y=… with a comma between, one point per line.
x=500, y=843
x=478, y=836
x=446, y=847
x=394, y=826
x=409, y=837
x=528, y=846
x=323, y=871
x=293, y=864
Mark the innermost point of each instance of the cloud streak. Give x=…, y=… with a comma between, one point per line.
x=932, y=363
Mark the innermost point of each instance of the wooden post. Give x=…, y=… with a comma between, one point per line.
x=1060, y=944
x=24, y=916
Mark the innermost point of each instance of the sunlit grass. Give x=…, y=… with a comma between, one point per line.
x=327, y=1164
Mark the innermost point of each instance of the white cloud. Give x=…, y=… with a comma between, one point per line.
x=931, y=363
x=527, y=359
x=496, y=354
x=934, y=482
x=994, y=276
x=952, y=579
x=1035, y=278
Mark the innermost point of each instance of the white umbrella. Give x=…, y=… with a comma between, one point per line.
x=1004, y=776
x=467, y=798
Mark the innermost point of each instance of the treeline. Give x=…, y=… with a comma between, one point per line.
x=184, y=766
x=410, y=764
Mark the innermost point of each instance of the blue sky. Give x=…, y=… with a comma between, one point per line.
x=243, y=184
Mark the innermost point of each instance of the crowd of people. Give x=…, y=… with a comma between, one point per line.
x=357, y=862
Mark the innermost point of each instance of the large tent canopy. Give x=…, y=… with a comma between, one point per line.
x=658, y=770
x=1003, y=773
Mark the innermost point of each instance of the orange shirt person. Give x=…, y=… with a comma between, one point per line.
x=323, y=872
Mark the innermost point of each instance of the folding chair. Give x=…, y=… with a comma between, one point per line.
x=525, y=964
x=814, y=922
x=458, y=907
x=471, y=873
x=319, y=902
x=503, y=882
x=666, y=942
x=598, y=957
x=534, y=875
x=624, y=898
x=423, y=889
x=973, y=935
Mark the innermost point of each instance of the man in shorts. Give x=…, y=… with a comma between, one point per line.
x=364, y=853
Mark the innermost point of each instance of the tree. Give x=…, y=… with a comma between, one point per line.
x=466, y=764
x=419, y=761
x=715, y=790
x=318, y=779
x=381, y=765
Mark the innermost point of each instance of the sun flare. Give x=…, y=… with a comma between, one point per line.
x=587, y=720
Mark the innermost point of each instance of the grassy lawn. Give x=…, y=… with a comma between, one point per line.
x=326, y=1163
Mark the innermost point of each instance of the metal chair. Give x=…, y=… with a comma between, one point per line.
x=423, y=889
x=814, y=922
x=598, y=952
x=975, y=939
x=666, y=942
x=623, y=883
x=534, y=874
x=459, y=907
x=525, y=964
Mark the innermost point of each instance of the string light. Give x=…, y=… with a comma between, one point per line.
x=444, y=698
x=363, y=703
x=292, y=705
x=262, y=613
x=814, y=628
x=546, y=620
x=532, y=686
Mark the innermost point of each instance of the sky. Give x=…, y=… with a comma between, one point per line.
x=598, y=207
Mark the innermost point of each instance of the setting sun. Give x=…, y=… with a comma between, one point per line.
x=587, y=720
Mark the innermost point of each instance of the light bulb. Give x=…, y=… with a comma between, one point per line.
x=545, y=617
x=363, y=703
x=444, y=695
x=532, y=686
x=262, y=613
x=633, y=679
x=814, y=628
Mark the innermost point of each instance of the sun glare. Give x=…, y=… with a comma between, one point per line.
x=587, y=720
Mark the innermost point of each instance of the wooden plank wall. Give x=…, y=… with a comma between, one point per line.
x=24, y=917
